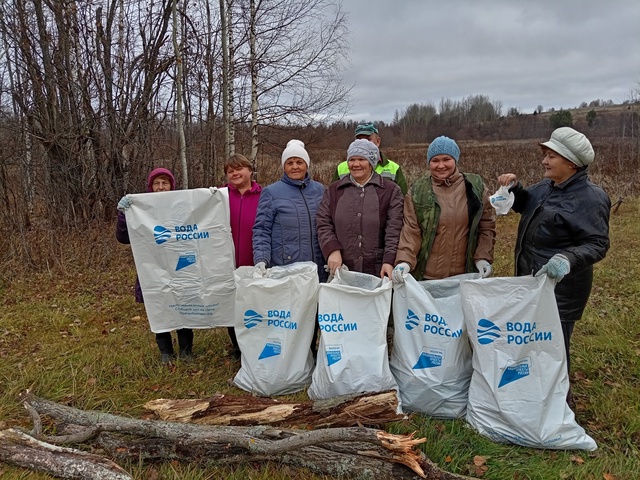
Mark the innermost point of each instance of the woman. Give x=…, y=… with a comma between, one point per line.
x=285, y=228
x=449, y=225
x=244, y=195
x=360, y=217
x=159, y=180
x=564, y=224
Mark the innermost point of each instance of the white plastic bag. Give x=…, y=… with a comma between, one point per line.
x=183, y=250
x=353, y=312
x=431, y=356
x=275, y=320
x=519, y=384
x=502, y=200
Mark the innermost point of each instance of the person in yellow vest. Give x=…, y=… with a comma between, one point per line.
x=385, y=167
x=449, y=224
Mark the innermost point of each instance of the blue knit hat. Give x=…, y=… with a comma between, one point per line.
x=443, y=146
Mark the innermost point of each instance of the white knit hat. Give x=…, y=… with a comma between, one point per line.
x=295, y=148
x=572, y=145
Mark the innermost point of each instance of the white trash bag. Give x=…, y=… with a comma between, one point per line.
x=183, y=250
x=274, y=321
x=502, y=200
x=431, y=356
x=519, y=384
x=353, y=312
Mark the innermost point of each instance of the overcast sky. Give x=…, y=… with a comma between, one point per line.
x=524, y=53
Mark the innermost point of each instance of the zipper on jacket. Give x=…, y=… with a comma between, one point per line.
x=313, y=257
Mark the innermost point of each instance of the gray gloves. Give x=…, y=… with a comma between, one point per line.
x=484, y=268
x=397, y=276
x=124, y=203
x=262, y=267
x=557, y=267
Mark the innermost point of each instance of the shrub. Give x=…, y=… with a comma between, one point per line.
x=562, y=118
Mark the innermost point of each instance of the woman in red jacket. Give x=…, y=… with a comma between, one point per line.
x=244, y=194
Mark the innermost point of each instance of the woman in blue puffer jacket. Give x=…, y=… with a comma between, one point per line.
x=285, y=228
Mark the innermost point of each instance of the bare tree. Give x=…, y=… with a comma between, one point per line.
x=289, y=69
x=177, y=48
x=104, y=90
x=253, y=67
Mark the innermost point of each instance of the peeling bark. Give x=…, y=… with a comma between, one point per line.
x=347, y=411
x=22, y=450
x=346, y=452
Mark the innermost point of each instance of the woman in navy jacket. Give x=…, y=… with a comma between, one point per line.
x=285, y=228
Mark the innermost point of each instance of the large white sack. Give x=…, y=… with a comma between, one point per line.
x=519, y=384
x=431, y=355
x=184, y=255
x=353, y=312
x=275, y=320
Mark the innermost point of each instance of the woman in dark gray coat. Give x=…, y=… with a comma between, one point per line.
x=564, y=223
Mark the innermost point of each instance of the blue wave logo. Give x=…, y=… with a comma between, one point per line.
x=487, y=331
x=252, y=318
x=186, y=260
x=161, y=234
x=412, y=320
x=515, y=372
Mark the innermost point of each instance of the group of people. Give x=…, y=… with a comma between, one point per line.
x=369, y=221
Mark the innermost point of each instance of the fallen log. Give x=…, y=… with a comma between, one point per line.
x=348, y=411
x=338, y=459
x=18, y=448
x=343, y=452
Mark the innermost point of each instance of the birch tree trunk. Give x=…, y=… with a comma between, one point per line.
x=254, y=86
x=177, y=48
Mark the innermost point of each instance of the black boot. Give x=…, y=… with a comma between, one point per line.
x=235, y=348
x=165, y=344
x=185, y=343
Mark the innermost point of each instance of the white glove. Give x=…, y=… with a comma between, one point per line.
x=484, y=268
x=397, y=276
x=556, y=268
x=262, y=267
x=213, y=190
x=124, y=203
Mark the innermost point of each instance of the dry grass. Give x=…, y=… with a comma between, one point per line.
x=70, y=330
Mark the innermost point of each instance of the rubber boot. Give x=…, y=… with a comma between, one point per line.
x=185, y=343
x=165, y=344
x=235, y=348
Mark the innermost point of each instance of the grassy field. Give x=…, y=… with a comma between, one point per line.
x=71, y=332
x=75, y=335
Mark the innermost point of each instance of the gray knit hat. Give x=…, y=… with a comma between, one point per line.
x=443, y=146
x=572, y=145
x=365, y=149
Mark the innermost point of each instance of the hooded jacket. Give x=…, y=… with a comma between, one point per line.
x=571, y=218
x=122, y=233
x=285, y=228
